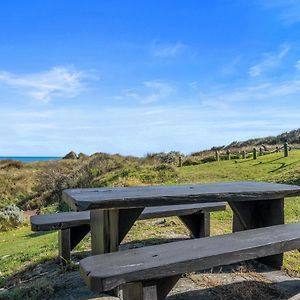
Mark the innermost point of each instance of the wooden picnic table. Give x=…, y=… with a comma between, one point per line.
x=114, y=210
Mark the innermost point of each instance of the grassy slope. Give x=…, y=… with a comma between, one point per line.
x=25, y=249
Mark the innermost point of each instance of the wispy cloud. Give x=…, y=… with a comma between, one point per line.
x=268, y=91
x=270, y=61
x=297, y=65
x=159, y=89
x=63, y=82
x=155, y=129
x=151, y=91
x=167, y=49
x=288, y=10
x=231, y=67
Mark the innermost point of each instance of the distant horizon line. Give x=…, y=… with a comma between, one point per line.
x=1, y=156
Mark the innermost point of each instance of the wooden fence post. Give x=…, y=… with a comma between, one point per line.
x=217, y=156
x=286, y=149
x=180, y=161
x=228, y=154
x=243, y=154
x=277, y=149
x=254, y=153
x=260, y=151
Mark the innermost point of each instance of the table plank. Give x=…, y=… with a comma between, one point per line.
x=142, y=196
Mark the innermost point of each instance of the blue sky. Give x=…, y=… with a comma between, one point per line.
x=141, y=76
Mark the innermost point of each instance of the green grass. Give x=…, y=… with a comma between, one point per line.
x=20, y=249
x=271, y=167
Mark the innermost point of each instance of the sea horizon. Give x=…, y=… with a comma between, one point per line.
x=28, y=159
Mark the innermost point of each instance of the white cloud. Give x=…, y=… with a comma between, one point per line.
x=270, y=61
x=63, y=82
x=231, y=67
x=266, y=92
x=138, y=130
x=159, y=89
x=167, y=50
x=193, y=84
x=297, y=65
x=151, y=91
x=288, y=10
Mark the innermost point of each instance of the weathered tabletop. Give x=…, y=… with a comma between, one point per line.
x=114, y=210
x=144, y=196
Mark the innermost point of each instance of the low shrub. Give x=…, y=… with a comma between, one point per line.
x=208, y=159
x=10, y=163
x=165, y=158
x=191, y=161
x=10, y=217
x=163, y=167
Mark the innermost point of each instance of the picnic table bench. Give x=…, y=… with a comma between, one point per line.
x=150, y=272
x=74, y=226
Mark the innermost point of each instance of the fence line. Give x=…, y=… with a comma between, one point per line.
x=254, y=154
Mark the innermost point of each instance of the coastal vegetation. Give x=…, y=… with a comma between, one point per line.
x=36, y=188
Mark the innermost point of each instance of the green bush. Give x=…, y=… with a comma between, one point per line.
x=10, y=217
x=191, y=161
x=165, y=158
x=208, y=159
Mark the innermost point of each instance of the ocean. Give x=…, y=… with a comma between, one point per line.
x=28, y=159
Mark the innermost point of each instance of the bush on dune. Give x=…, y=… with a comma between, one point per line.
x=10, y=163
x=10, y=217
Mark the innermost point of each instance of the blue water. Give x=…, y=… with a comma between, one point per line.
x=28, y=159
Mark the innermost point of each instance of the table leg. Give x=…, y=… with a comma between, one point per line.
x=198, y=224
x=148, y=290
x=109, y=227
x=256, y=214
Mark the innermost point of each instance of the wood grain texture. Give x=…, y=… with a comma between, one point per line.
x=104, y=272
x=64, y=245
x=131, y=291
x=145, y=196
x=150, y=292
x=64, y=220
x=99, y=231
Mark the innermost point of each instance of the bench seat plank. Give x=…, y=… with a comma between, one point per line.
x=64, y=220
x=61, y=220
x=107, y=271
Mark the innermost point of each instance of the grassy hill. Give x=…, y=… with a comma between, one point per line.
x=272, y=167
x=39, y=185
x=292, y=137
